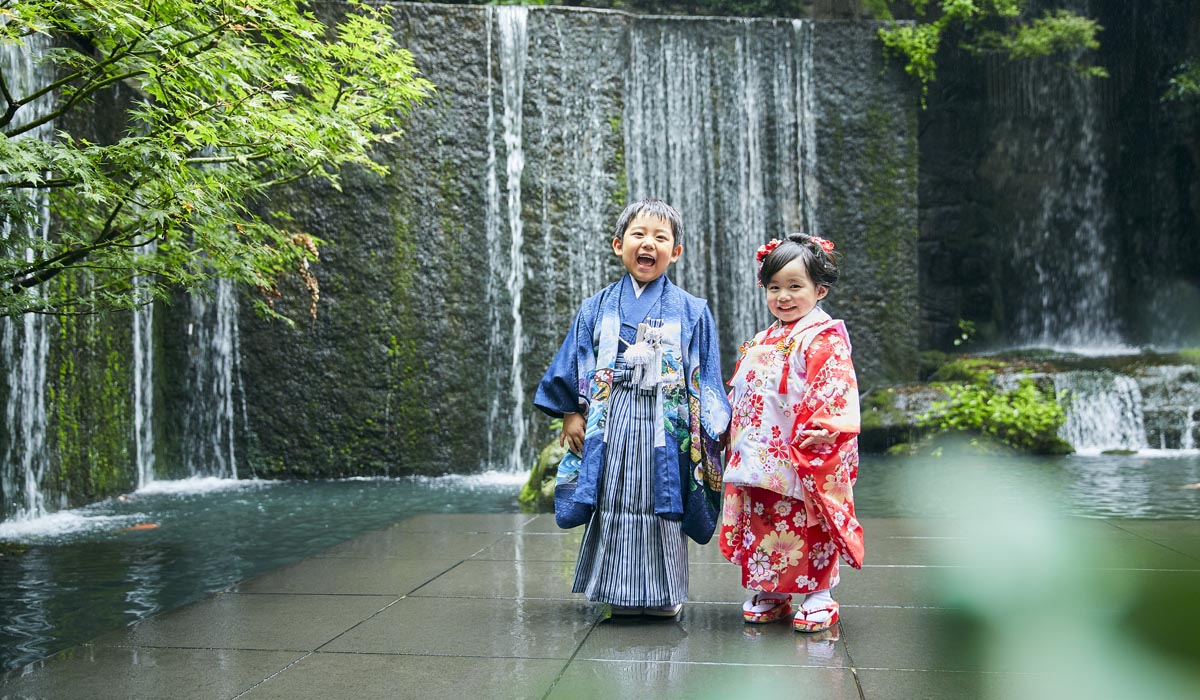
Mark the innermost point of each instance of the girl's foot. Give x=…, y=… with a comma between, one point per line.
x=817, y=613
x=767, y=606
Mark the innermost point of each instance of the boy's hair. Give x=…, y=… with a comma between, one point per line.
x=821, y=264
x=651, y=207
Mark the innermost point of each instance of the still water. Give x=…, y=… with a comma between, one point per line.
x=92, y=570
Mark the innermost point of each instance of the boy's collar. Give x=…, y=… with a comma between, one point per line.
x=652, y=284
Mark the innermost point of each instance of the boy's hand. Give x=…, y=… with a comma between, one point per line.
x=817, y=437
x=573, y=428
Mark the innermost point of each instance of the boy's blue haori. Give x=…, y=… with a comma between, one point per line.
x=691, y=401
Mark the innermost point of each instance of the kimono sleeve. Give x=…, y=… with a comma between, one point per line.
x=563, y=388
x=830, y=401
x=709, y=417
x=708, y=383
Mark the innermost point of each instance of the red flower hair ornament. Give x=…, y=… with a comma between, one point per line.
x=825, y=243
x=765, y=249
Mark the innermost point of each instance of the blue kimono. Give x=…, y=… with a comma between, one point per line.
x=690, y=399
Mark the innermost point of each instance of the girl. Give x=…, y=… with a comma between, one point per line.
x=793, y=450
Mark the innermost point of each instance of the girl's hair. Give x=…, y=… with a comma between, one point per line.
x=821, y=264
x=651, y=207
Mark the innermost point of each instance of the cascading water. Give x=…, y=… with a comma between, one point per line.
x=1060, y=279
x=143, y=386
x=25, y=341
x=732, y=149
x=513, y=43
x=1153, y=408
x=510, y=24
x=212, y=379
x=1104, y=411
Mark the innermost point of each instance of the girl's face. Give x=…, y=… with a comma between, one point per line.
x=648, y=247
x=791, y=294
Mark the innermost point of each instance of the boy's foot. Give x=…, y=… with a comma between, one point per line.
x=663, y=610
x=767, y=607
x=818, y=613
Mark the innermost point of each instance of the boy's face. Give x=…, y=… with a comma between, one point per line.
x=647, y=248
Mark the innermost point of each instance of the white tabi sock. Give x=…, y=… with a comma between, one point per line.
x=815, y=601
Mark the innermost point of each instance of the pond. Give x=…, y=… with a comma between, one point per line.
x=91, y=570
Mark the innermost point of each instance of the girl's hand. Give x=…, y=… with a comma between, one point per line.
x=818, y=437
x=573, y=428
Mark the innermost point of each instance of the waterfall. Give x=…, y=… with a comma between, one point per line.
x=719, y=122
x=143, y=384
x=807, y=186
x=1052, y=133
x=510, y=23
x=1104, y=411
x=212, y=378
x=513, y=43
x=25, y=341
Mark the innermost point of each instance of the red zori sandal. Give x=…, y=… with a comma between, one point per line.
x=802, y=623
x=761, y=609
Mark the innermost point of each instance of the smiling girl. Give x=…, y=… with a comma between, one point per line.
x=793, y=446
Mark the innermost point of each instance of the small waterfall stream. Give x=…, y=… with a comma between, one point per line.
x=1151, y=409
x=25, y=341
x=212, y=380
x=143, y=387
x=507, y=25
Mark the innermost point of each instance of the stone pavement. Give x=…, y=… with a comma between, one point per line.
x=479, y=606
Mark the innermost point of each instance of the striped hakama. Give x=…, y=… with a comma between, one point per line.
x=629, y=555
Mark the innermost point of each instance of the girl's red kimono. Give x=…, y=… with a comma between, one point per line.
x=789, y=512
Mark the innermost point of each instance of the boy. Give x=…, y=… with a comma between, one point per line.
x=638, y=385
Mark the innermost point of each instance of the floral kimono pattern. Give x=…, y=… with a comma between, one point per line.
x=788, y=512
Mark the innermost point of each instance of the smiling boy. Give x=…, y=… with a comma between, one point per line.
x=638, y=384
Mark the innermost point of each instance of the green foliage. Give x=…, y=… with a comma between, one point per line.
x=1185, y=84
x=966, y=331
x=1027, y=417
x=972, y=370
x=1059, y=32
x=996, y=25
x=231, y=99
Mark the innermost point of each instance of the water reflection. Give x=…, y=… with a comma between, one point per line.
x=87, y=572
x=1095, y=486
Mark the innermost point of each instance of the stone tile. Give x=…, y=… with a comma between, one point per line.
x=343, y=576
x=936, y=685
x=398, y=543
x=890, y=587
x=105, y=673
x=715, y=583
x=711, y=634
x=504, y=579
x=1159, y=530
x=460, y=523
x=913, y=639
x=324, y=676
x=1142, y=554
x=528, y=629
x=240, y=621
x=534, y=547
x=544, y=522
x=604, y=680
